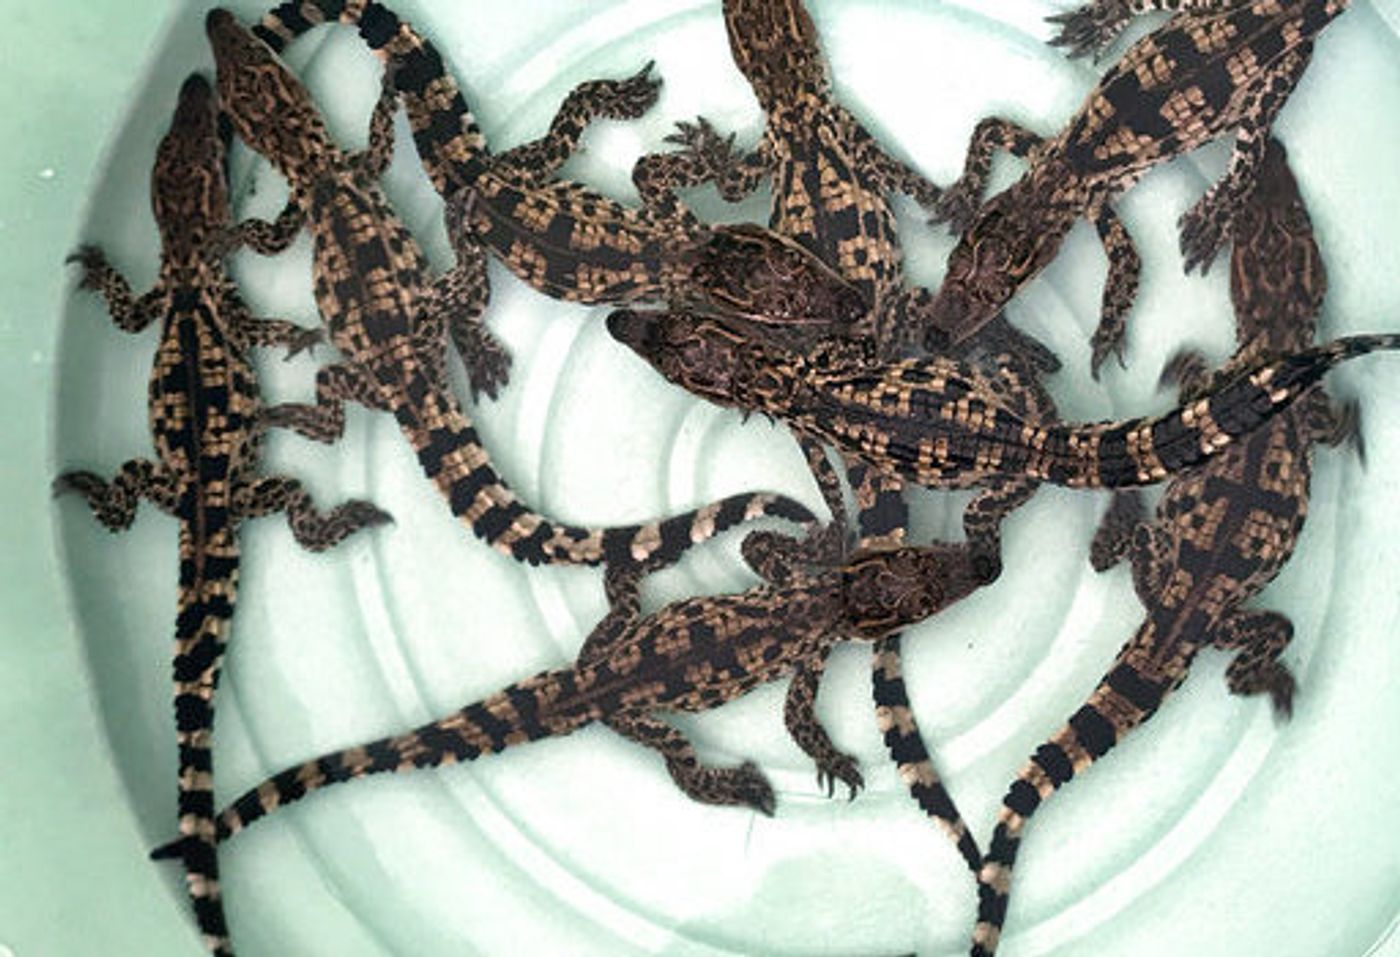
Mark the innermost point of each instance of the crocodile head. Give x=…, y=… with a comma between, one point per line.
x=189, y=191
x=748, y=272
x=268, y=106
x=706, y=357
x=1013, y=237
x=888, y=589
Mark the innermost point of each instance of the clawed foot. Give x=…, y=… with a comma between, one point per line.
x=1115, y=533
x=751, y=788
x=1090, y=28
x=630, y=98
x=1185, y=369
x=714, y=152
x=1203, y=231
x=488, y=365
x=88, y=484
x=1105, y=343
x=1347, y=429
x=957, y=207
x=986, y=565
x=1281, y=687
x=93, y=262
x=304, y=341
x=360, y=513
x=841, y=768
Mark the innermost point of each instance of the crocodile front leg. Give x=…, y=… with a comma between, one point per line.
x=958, y=205
x=894, y=175
x=706, y=157
x=1205, y=225
x=130, y=313
x=1092, y=27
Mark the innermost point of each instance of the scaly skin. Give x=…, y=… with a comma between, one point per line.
x=387, y=318
x=1220, y=535
x=1202, y=75
x=690, y=656
x=207, y=427
x=562, y=238
x=832, y=189
x=943, y=424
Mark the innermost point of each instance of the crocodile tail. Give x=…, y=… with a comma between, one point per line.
x=452, y=455
x=1147, y=450
x=208, y=583
x=528, y=710
x=1124, y=699
x=911, y=758
x=449, y=141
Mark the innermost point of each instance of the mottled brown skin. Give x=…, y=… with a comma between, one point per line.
x=562, y=238
x=1220, y=534
x=389, y=320
x=207, y=426
x=1213, y=68
x=690, y=656
x=832, y=181
x=943, y=424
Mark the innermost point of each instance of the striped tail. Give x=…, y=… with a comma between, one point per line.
x=525, y=711
x=208, y=584
x=906, y=747
x=451, y=145
x=1124, y=699
x=1147, y=450
x=451, y=453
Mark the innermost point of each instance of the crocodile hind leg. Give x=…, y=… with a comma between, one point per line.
x=1205, y=226
x=457, y=303
x=114, y=503
x=313, y=529
x=1120, y=288
x=800, y=718
x=958, y=204
x=744, y=785
x=1260, y=637
x=533, y=163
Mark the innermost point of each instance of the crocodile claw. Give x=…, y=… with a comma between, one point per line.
x=92, y=260
x=1089, y=29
